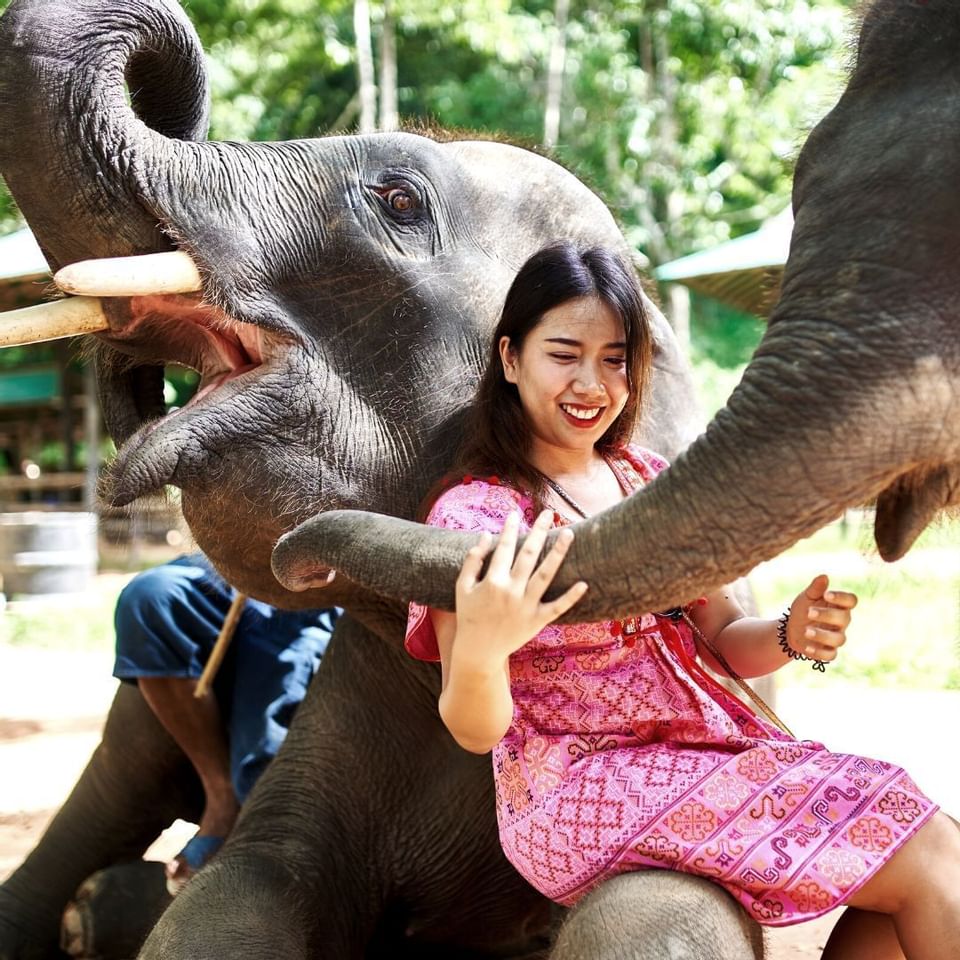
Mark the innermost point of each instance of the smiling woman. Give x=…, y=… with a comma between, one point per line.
x=573, y=347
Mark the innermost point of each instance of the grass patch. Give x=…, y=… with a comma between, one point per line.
x=905, y=631
x=83, y=624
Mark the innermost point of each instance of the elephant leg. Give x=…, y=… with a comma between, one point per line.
x=136, y=783
x=656, y=915
x=371, y=835
x=293, y=880
x=244, y=906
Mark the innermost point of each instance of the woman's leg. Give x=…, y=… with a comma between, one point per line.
x=919, y=888
x=863, y=935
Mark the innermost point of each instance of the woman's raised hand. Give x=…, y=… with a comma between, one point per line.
x=819, y=619
x=505, y=609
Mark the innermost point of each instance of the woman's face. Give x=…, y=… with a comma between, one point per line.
x=571, y=374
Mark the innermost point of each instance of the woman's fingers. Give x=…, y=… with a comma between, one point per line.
x=817, y=588
x=502, y=559
x=828, y=617
x=473, y=562
x=532, y=546
x=544, y=574
x=822, y=644
x=841, y=598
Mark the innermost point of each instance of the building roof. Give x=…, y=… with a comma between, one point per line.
x=744, y=273
x=20, y=257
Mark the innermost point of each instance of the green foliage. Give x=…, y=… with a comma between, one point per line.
x=10, y=218
x=724, y=335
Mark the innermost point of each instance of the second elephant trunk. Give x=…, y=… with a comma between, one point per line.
x=792, y=449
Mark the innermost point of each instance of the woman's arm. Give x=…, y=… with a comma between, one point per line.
x=475, y=704
x=495, y=617
x=816, y=628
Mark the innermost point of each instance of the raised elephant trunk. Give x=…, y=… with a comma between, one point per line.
x=62, y=98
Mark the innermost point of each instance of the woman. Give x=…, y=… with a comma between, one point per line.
x=613, y=749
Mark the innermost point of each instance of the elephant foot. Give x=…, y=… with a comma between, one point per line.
x=114, y=911
x=659, y=915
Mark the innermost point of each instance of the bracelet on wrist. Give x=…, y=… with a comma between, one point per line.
x=788, y=650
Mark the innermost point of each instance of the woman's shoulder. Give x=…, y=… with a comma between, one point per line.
x=647, y=463
x=477, y=504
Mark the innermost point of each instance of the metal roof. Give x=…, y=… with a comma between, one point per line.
x=744, y=273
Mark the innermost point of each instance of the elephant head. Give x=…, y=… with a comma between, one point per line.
x=348, y=282
x=853, y=394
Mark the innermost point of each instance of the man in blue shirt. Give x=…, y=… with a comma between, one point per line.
x=167, y=621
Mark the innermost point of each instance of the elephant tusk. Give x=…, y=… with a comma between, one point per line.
x=52, y=321
x=151, y=273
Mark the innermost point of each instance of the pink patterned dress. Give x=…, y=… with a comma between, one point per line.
x=624, y=754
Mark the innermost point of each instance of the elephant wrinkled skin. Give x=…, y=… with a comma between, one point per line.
x=349, y=285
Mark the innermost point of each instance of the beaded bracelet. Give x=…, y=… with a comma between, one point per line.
x=788, y=650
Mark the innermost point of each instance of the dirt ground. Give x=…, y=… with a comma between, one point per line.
x=52, y=707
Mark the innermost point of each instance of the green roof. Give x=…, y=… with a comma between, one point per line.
x=744, y=273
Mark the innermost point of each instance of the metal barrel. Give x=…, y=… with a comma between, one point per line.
x=47, y=552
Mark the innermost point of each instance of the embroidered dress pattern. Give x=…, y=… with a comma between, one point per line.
x=624, y=754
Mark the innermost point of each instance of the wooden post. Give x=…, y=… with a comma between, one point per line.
x=219, y=650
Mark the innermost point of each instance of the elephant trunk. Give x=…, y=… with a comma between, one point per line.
x=774, y=466
x=63, y=103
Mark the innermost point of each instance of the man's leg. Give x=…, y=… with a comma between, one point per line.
x=167, y=620
x=198, y=729
x=273, y=668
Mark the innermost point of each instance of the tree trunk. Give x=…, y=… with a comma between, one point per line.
x=661, y=204
x=389, y=114
x=368, y=89
x=678, y=313
x=558, y=55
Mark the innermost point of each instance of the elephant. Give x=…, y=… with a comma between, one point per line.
x=851, y=396
x=347, y=285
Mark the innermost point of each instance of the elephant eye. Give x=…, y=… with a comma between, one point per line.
x=400, y=200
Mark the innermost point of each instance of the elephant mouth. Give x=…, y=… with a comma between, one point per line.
x=181, y=445
x=150, y=311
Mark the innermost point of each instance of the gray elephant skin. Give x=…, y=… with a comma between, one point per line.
x=349, y=285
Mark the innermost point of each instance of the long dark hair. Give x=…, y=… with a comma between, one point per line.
x=497, y=437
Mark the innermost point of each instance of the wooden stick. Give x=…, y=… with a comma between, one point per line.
x=150, y=273
x=52, y=321
x=220, y=647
